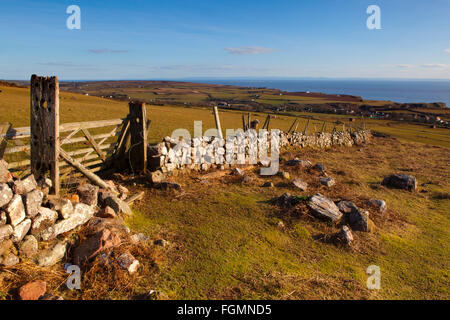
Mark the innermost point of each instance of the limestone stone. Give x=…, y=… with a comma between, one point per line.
x=3, y=218
x=128, y=262
x=359, y=220
x=6, y=194
x=379, y=205
x=64, y=207
x=5, y=175
x=82, y=213
x=345, y=235
x=300, y=184
x=5, y=232
x=88, y=194
x=25, y=185
x=400, y=181
x=28, y=247
x=326, y=181
x=33, y=201
x=356, y=217
x=324, y=208
x=15, y=210
x=118, y=205
x=44, y=220
x=21, y=230
x=51, y=256
x=139, y=237
x=347, y=206
x=299, y=163
x=9, y=260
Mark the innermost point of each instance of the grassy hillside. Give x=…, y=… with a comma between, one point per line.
x=14, y=108
x=226, y=242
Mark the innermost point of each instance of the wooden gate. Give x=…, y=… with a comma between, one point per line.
x=66, y=151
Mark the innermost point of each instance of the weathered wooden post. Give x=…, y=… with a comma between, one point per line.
x=244, y=126
x=292, y=126
x=306, y=127
x=296, y=126
x=138, y=136
x=265, y=122
x=44, y=126
x=217, y=119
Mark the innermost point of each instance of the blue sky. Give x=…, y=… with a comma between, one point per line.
x=225, y=39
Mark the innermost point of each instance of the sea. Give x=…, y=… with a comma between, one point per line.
x=404, y=91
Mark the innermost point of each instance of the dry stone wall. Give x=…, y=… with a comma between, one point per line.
x=203, y=153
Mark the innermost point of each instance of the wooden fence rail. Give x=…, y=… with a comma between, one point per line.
x=89, y=146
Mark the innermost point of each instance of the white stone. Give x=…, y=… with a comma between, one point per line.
x=6, y=194
x=21, y=230
x=15, y=210
x=82, y=213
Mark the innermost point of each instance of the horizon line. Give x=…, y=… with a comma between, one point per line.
x=243, y=78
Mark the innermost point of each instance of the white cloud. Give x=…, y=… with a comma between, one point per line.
x=447, y=50
x=249, y=50
x=435, y=65
x=405, y=66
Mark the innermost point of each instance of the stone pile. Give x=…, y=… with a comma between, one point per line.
x=343, y=213
x=28, y=214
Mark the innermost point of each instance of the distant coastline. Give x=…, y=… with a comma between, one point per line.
x=394, y=90
x=402, y=91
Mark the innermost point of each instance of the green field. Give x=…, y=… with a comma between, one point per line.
x=14, y=106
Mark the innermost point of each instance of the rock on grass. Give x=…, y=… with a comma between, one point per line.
x=33, y=290
x=324, y=208
x=51, y=256
x=128, y=262
x=400, y=181
x=300, y=184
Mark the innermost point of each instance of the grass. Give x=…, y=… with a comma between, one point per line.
x=227, y=244
x=225, y=237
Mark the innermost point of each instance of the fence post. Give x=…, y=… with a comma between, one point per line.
x=217, y=119
x=44, y=126
x=138, y=136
